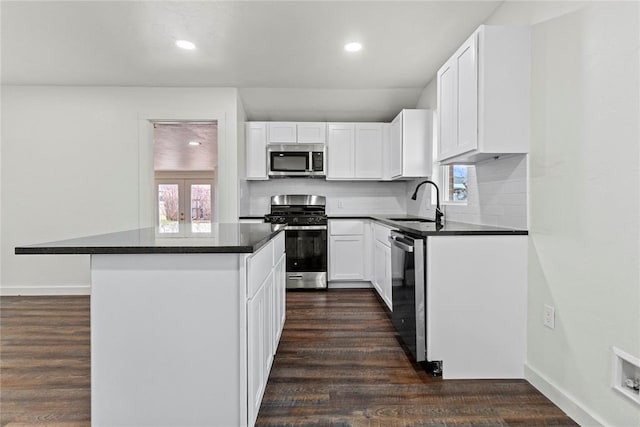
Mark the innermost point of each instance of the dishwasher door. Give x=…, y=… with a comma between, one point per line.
x=408, y=291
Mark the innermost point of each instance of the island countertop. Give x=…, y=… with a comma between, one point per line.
x=224, y=238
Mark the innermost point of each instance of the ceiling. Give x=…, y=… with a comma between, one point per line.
x=286, y=57
x=172, y=151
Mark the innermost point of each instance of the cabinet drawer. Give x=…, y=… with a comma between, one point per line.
x=260, y=265
x=381, y=233
x=278, y=247
x=346, y=226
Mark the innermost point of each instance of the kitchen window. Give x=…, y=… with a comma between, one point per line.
x=455, y=179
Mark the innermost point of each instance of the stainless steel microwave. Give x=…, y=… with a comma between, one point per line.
x=296, y=160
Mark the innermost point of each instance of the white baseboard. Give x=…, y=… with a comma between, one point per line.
x=340, y=284
x=45, y=290
x=561, y=398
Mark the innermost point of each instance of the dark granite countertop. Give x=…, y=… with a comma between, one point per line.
x=425, y=229
x=225, y=238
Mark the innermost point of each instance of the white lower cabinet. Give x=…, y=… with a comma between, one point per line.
x=256, y=351
x=265, y=318
x=476, y=305
x=382, y=263
x=382, y=271
x=347, y=250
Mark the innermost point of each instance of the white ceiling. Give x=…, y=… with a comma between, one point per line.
x=281, y=54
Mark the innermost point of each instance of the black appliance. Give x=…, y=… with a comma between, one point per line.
x=409, y=292
x=296, y=160
x=305, y=222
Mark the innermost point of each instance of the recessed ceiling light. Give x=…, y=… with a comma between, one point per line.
x=352, y=47
x=185, y=44
x=194, y=143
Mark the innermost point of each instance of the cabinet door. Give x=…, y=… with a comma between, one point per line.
x=312, y=133
x=341, y=151
x=382, y=260
x=256, y=150
x=282, y=133
x=447, y=111
x=395, y=147
x=269, y=324
x=279, y=280
x=379, y=270
x=466, y=60
x=255, y=352
x=347, y=257
x=386, y=284
x=368, y=151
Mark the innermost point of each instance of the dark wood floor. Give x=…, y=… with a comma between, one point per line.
x=45, y=373
x=338, y=363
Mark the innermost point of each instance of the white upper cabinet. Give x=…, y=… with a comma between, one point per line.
x=282, y=133
x=355, y=150
x=484, y=96
x=311, y=133
x=410, y=148
x=341, y=151
x=256, y=150
x=369, y=146
x=297, y=133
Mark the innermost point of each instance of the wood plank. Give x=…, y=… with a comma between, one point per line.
x=339, y=363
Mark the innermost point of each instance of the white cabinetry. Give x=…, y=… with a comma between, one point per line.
x=369, y=145
x=296, y=133
x=256, y=150
x=477, y=305
x=265, y=317
x=382, y=263
x=484, y=96
x=311, y=132
x=355, y=150
x=347, y=250
x=410, y=147
x=341, y=151
x=282, y=133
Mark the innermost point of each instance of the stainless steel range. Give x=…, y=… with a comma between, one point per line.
x=305, y=222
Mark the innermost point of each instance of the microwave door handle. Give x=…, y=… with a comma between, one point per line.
x=310, y=163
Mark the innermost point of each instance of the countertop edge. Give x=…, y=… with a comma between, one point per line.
x=497, y=231
x=131, y=250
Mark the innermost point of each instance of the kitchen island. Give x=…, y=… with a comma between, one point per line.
x=183, y=329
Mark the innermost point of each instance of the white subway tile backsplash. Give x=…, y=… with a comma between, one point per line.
x=497, y=194
x=343, y=197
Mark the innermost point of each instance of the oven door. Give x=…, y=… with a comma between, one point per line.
x=408, y=292
x=306, y=248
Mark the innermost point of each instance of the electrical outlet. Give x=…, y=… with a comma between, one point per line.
x=549, y=316
x=340, y=204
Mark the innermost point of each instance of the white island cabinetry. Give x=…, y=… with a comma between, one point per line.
x=185, y=338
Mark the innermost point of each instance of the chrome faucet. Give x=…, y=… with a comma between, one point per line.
x=439, y=213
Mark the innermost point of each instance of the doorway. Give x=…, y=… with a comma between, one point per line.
x=185, y=177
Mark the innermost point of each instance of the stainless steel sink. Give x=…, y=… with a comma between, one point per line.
x=415, y=220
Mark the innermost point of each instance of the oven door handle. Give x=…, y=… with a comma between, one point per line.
x=397, y=242
x=305, y=227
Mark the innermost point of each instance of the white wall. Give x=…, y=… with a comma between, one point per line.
x=73, y=159
x=584, y=200
x=356, y=197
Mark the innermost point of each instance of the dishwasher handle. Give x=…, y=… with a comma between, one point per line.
x=403, y=243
